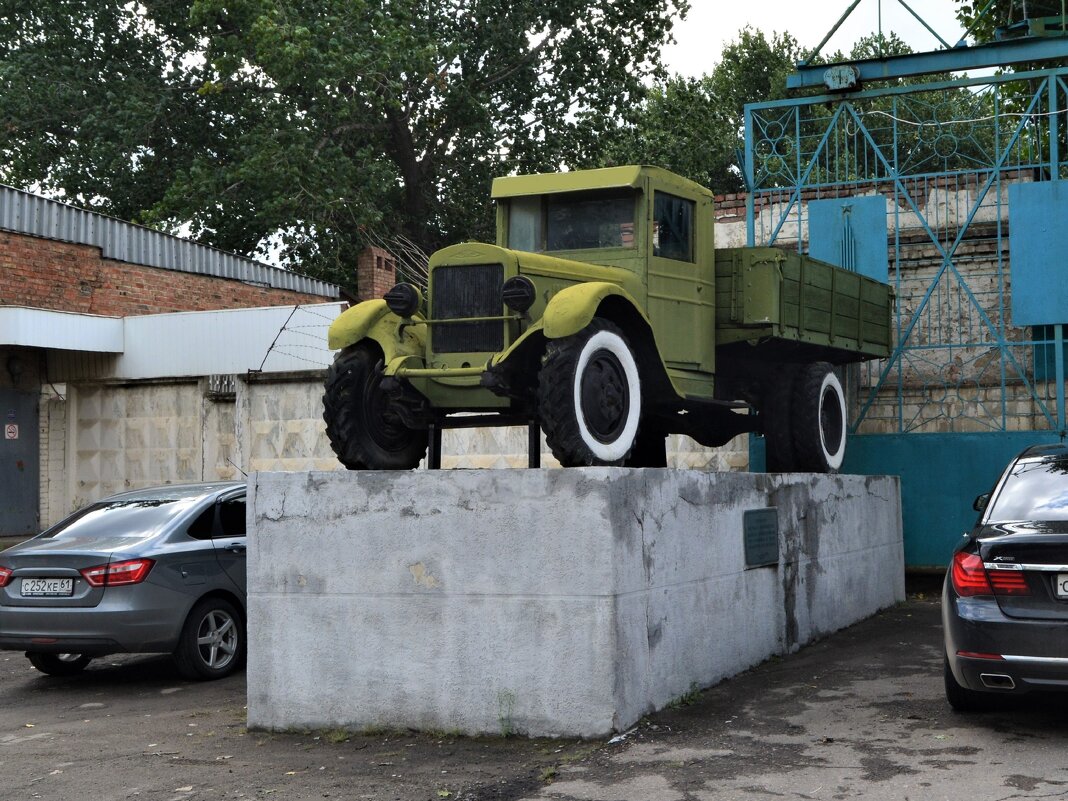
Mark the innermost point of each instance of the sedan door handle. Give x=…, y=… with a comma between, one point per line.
x=236, y=547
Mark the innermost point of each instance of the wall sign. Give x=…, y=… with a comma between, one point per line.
x=11, y=431
x=760, y=532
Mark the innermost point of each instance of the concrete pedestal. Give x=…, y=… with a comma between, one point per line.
x=543, y=602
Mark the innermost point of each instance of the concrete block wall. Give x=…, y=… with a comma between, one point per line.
x=54, y=501
x=48, y=274
x=542, y=602
x=132, y=437
x=93, y=438
x=474, y=448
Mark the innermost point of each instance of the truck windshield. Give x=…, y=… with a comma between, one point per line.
x=590, y=220
x=572, y=221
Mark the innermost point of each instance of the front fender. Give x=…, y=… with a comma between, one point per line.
x=372, y=319
x=572, y=308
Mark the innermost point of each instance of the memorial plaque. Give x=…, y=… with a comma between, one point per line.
x=760, y=530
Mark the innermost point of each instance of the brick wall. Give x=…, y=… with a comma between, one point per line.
x=46, y=274
x=376, y=273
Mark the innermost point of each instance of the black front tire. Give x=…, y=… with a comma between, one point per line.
x=819, y=419
x=590, y=396
x=58, y=664
x=363, y=428
x=212, y=642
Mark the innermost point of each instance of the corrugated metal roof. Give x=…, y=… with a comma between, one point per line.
x=25, y=213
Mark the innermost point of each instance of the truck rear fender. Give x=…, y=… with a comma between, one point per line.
x=572, y=309
x=372, y=319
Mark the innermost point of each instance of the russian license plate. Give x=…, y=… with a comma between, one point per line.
x=38, y=587
x=1060, y=586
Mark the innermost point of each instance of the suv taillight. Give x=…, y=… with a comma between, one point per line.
x=969, y=575
x=5, y=575
x=132, y=571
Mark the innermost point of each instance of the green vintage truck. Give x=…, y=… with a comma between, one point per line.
x=605, y=315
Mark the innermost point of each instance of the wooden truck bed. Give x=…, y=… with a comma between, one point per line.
x=778, y=299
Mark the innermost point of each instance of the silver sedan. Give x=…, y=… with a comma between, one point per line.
x=152, y=571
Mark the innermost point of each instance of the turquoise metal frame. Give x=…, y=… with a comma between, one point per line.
x=942, y=154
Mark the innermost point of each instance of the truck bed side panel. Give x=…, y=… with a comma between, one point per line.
x=778, y=300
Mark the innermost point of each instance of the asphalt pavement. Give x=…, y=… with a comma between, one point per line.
x=859, y=714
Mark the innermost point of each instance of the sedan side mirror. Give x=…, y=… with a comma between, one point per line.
x=979, y=504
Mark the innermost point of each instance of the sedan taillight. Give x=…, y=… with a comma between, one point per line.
x=969, y=575
x=5, y=575
x=1008, y=582
x=132, y=571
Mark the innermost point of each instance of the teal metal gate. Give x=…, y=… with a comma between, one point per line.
x=975, y=374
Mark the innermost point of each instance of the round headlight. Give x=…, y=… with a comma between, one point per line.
x=403, y=300
x=518, y=293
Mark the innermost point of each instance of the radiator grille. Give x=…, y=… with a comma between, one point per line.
x=467, y=290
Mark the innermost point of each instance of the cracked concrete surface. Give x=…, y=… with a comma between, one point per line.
x=859, y=715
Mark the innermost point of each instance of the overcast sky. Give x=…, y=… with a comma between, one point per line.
x=712, y=23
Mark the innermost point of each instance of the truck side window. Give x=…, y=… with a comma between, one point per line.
x=524, y=224
x=673, y=227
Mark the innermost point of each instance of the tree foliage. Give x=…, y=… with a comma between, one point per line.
x=307, y=127
x=1003, y=13
x=695, y=126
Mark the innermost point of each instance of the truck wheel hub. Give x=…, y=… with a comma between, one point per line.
x=605, y=396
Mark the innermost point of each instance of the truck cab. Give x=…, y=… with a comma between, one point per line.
x=645, y=220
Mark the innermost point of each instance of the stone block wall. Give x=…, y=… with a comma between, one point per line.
x=98, y=438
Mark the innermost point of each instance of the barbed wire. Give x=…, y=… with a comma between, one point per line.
x=284, y=348
x=317, y=362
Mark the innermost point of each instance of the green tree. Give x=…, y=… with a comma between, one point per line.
x=1002, y=14
x=695, y=126
x=308, y=128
